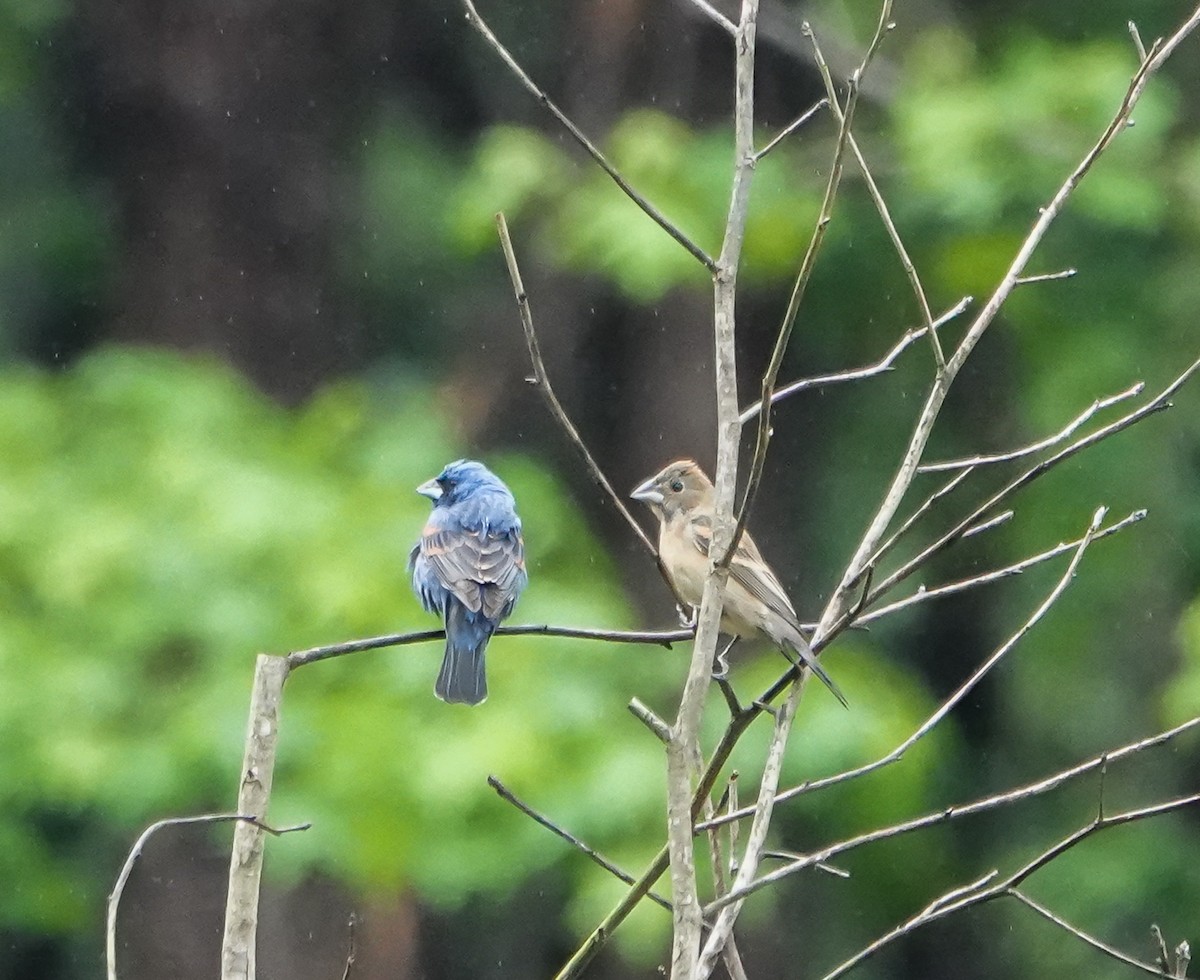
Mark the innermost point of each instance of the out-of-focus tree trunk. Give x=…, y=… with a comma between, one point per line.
x=227, y=129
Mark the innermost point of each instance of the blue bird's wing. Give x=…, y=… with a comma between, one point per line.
x=484, y=570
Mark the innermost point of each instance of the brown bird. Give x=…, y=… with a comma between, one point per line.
x=683, y=500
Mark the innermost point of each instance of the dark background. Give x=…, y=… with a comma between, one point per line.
x=250, y=295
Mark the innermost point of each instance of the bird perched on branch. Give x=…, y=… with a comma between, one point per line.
x=469, y=567
x=683, y=499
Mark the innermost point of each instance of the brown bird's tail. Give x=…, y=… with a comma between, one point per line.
x=803, y=651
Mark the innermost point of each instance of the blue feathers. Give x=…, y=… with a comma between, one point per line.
x=469, y=567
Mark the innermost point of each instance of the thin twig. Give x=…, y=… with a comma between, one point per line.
x=988, y=525
x=135, y=852
x=801, y=862
x=791, y=128
x=911, y=521
x=542, y=380
x=1137, y=41
x=762, y=438
x=1099, y=405
x=650, y=210
x=924, y=594
x=881, y=366
x=1157, y=404
x=643, y=713
x=713, y=14
x=896, y=754
x=1045, y=277
x=1164, y=958
x=661, y=638
x=1004, y=888
x=940, y=388
x=506, y=794
x=722, y=929
x=351, y=946
x=1078, y=933
x=885, y=215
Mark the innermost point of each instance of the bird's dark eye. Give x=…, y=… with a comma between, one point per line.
x=677, y=485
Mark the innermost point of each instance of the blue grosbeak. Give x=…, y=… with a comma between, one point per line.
x=682, y=498
x=469, y=567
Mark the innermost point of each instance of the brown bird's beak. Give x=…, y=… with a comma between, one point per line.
x=431, y=489
x=648, y=493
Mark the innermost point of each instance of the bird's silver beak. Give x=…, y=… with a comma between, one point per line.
x=648, y=493
x=430, y=489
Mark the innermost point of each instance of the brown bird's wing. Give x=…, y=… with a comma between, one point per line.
x=485, y=571
x=755, y=576
x=748, y=569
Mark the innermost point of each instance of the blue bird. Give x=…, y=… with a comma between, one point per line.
x=469, y=567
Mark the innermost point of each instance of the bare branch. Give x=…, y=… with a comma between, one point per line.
x=506, y=794
x=825, y=215
x=662, y=638
x=812, y=785
x=990, y=524
x=801, y=862
x=135, y=852
x=1137, y=41
x=1016, y=568
x=1075, y=931
x=911, y=521
x=351, y=946
x=941, y=909
x=1045, y=277
x=881, y=366
x=650, y=210
x=1157, y=404
x=713, y=14
x=791, y=128
x=642, y=712
x=722, y=929
x=885, y=215
x=942, y=383
x=1099, y=405
x=542, y=380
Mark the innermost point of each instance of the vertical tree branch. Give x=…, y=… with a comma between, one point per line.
x=683, y=750
x=254, y=795
x=722, y=930
x=771, y=374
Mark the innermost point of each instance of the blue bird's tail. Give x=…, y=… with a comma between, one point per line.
x=463, y=677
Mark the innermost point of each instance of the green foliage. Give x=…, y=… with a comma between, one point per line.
x=979, y=139
x=589, y=225
x=162, y=523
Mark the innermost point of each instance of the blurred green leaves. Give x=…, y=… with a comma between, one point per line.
x=980, y=138
x=589, y=225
